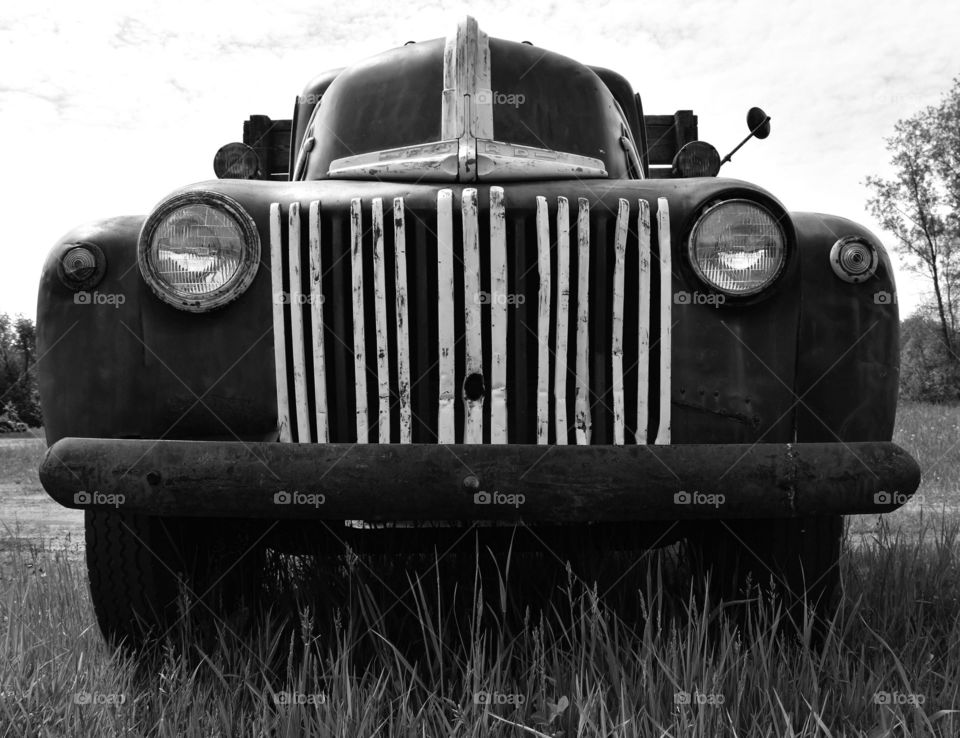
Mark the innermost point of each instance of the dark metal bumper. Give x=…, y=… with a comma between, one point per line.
x=552, y=484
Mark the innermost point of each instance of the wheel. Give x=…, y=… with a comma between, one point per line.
x=798, y=556
x=136, y=564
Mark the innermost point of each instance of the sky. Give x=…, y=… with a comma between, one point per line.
x=105, y=108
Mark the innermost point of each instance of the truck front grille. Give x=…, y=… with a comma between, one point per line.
x=472, y=322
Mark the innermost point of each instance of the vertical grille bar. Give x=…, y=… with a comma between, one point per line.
x=279, y=334
x=666, y=276
x=620, y=248
x=403, y=335
x=359, y=350
x=498, y=317
x=316, y=323
x=643, y=342
x=473, y=407
x=380, y=299
x=563, y=321
x=583, y=324
x=446, y=338
x=543, y=321
x=296, y=328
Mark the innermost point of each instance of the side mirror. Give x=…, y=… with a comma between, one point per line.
x=759, y=124
x=237, y=161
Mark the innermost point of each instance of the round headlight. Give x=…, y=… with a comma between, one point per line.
x=199, y=250
x=737, y=247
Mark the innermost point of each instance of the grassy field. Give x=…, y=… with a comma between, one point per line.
x=412, y=647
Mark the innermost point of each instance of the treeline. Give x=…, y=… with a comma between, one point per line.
x=929, y=370
x=19, y=398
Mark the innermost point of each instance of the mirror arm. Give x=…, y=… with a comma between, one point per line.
x=750, y=135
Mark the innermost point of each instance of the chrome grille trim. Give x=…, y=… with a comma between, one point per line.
x=359, y=337
x=616, y=347
x=447, y=341
x=643, y=337
x=296, y=329
x=316, y=325
x=473, y=338
x=303, y=411
x=666, y=316
x=543, y=321
x=498, y=317
x=563, y=321
x=403, y=335
x=583, y=399
x=279, y=332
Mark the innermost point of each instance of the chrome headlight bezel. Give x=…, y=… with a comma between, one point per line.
x=861, y=252
x=694, y=262
x=238, y=283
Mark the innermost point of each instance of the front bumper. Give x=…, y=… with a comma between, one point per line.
x=533, y=484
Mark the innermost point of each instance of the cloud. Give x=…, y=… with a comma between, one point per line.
x=131, y=99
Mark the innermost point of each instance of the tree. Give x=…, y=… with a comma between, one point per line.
x=19, y=397
x=920, y=205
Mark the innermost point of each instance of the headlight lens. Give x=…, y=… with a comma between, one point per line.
x=199, y=250
x=737, y=247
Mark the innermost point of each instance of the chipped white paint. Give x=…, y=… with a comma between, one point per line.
x=316, y=324
x=445, y=306
x=666, y=302
x=583, y=421
x=543, y=321
x=498, y=317
x=279, y=333
x=473, y=338
x=382, y=324
x=429, y=162
x=359, y=351
x=616, y=349
x=467, y=103
x=296, y=327
x=503, y=161
x=403, y=334
x=563, y=321
x=643, y=342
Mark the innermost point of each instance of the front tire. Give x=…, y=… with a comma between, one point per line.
x=799, y=556
x=137, y=563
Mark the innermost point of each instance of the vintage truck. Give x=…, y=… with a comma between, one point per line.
x=469, y=286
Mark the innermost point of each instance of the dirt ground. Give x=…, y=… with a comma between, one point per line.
x=27, y=515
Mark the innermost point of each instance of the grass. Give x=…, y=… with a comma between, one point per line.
x=525, y=647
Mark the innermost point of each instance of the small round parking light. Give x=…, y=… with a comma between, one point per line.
x=853, y=259
x=82, y=266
